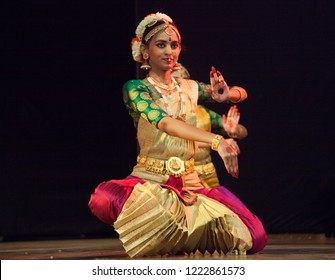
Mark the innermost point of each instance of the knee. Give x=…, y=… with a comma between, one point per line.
x=100, y=206
x=259, y=239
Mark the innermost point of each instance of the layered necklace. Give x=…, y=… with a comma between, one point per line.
x=169, y=89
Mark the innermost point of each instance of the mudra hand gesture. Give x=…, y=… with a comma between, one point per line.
x=234, y=145
x=228, y=151
x=230, y=122
x=220, y=89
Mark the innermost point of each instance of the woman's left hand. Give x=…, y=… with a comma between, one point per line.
x=230, y=122
x=220, y=89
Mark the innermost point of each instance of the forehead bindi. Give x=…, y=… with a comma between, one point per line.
x=170, y=36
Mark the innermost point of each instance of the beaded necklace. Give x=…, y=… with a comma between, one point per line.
x=169, y=88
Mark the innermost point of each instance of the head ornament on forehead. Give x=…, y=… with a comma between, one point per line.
x=153, y=23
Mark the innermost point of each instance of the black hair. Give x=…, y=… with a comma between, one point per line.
x=148, y=29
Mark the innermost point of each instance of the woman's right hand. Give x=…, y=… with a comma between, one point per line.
x=220, y=89
x=229, y=156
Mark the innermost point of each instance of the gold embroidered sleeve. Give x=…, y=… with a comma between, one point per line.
x=138, y=101
x=204, y=92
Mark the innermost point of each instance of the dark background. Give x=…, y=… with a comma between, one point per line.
x=64, y=128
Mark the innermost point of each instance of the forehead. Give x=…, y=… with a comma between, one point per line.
x=167, y=34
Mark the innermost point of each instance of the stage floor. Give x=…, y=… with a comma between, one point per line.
x=279, y=247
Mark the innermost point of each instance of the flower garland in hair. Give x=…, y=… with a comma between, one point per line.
x=150, y=19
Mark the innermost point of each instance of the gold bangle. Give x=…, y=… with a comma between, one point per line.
x=216, y=142
x=240, y=92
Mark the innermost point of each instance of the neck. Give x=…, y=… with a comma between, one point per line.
x=164, y=77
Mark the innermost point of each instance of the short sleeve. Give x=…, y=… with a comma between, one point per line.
x=139, y=103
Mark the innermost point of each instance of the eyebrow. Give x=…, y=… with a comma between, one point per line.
x=164, y=41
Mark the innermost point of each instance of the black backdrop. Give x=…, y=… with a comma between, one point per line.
x=64, y=128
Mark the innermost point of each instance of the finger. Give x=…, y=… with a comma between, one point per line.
x=220, y=77
x=238, y=117
x=216, y=79
x=228, y=166
x=230, y=112
x=224, y=118
x=233, y=109
x=235, y=167
x=215, y=74
x=236, y=173
x=237, y=148
x=236, y=114
x=211, y=78
x=233, y=114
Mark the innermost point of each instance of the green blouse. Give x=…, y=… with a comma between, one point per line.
x=139, y=99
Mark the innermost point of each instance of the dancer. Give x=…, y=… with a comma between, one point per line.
x=162, y=207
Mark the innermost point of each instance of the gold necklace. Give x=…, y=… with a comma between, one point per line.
x=182, y=99
x=169, y=87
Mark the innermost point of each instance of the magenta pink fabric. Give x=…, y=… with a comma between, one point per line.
x=109, y=197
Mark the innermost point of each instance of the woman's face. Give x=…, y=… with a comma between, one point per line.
x=164, y=50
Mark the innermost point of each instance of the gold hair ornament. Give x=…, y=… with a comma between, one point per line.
x=168, y=28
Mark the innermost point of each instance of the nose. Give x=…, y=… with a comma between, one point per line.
x=168, y=49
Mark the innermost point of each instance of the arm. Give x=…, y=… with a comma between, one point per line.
x=219, y=91
x=237, y=94
x=183, y=130
x=139, y=103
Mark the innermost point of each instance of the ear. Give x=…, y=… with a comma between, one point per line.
x=144, y=49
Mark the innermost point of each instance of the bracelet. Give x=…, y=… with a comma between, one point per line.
x=216, y=142
x=240, y=92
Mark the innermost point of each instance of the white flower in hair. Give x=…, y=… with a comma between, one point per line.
x=151, y=18
x=136, y=50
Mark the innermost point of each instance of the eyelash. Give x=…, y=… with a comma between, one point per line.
x=173, y=46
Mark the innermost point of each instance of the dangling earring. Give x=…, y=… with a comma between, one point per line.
x=176, y=67
x=145, y=65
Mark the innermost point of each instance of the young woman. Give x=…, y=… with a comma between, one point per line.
x=162, y=207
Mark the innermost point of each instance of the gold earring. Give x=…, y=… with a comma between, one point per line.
x=145, y=65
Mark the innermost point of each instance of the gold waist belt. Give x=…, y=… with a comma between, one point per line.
x=172, y=166
x=205, y=169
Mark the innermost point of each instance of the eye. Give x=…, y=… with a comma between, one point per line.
x=161, y=45
x=175, y=45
